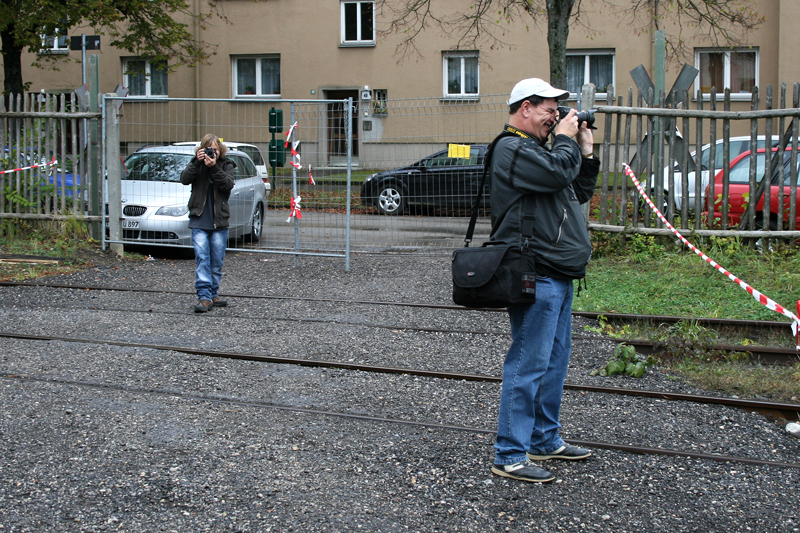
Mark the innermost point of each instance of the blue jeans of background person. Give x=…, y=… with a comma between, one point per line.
x=209, y=253
x=534, y=372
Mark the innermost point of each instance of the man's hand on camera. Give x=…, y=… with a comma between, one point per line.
x=585, y=139
x=568, y=125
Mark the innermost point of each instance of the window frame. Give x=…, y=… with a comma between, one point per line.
x=471, y=54
x=587, y=70
x=148, y=78
x=59, y=38
x=259, y=58
x=380, y=106
x=359, y=42
x=726, y=71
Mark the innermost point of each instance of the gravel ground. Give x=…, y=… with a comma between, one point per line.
x=101, y=437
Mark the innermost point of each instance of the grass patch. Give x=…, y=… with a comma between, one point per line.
x=70, y=254
x=652, y=276
x=646, y=277
x=742, y=378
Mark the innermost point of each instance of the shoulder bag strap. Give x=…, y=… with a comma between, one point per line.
x=486, y=162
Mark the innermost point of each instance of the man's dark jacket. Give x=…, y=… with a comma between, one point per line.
x=199, y=176
x=557, y=181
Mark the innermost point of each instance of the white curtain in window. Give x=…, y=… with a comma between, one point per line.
x=601, y=71
x=712, y=71
x=743, y=72
x=270, y=76
x=454, y=75
x=576, y=66
x=245, y=76
x=137, y=78
x=470, y=75
x=158, y=79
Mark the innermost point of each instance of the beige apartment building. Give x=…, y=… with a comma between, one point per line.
x=335, y=49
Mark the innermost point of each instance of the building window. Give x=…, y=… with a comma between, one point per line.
x=461, y=76
x=736, y=70
x=257, y=76
x=379, y=103
x=358, y=23
x=56, y=42
x=144, y=77
x=596, y=66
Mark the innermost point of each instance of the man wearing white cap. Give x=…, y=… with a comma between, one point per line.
x=538, y=190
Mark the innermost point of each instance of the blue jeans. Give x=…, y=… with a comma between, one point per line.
x=209, y=253
x=534, y=372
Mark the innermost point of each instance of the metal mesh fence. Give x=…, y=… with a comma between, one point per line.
x=315, y=199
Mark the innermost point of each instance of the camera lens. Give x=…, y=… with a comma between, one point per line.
x=210, y=152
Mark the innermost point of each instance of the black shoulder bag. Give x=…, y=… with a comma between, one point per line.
x=495, y=275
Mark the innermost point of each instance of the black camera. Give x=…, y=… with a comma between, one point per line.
x=583, y=116
x=210, y=153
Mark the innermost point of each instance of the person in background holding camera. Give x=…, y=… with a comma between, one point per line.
x=557, y=180
x=211, y=176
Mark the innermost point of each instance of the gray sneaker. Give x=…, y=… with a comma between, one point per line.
x=523, y=471
x=568, y=452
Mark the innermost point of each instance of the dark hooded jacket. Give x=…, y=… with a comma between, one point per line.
x=200, y=177
x=556, y=181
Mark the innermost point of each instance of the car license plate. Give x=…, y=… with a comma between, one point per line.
x=130, y=224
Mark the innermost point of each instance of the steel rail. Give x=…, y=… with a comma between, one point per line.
x=641, y=450
x=585, y=314
x=765, y=354
x=787, y=410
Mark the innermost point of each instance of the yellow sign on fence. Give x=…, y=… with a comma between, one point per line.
x=458, y=150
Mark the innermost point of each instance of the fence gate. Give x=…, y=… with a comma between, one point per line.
x=292, y=194
x=50, y=165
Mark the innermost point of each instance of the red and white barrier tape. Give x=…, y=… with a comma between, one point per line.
x=761, y=298
x=50, y=164
x=310, y=177
x=295, y=161
x=294, y=209
x=289, y=133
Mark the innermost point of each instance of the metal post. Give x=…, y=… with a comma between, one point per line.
x=83, y=58
x=93, y=176
x=114, y=173
x=349, y=119
x=294, y=191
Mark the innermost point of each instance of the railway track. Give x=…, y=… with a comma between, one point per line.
x=787, y=411
x=783, y=410
x=764, y=354
x=641, y=450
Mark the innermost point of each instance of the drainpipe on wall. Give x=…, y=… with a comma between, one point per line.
x=196, y=34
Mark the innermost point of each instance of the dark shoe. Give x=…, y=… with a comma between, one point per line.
x=203, y=306
x=219, y=302
x=523, y=471
x=570, y=453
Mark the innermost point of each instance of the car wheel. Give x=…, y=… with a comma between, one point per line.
x=391, y=200
x=762, y=243
x=257, y=225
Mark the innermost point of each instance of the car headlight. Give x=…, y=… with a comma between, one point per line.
x=370, y=178
x=173, y=210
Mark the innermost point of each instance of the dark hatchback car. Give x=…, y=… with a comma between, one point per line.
x=437, y=180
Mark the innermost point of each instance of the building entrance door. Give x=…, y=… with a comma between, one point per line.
x=337, y=127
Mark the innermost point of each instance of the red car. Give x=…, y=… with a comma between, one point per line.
x=739, y=192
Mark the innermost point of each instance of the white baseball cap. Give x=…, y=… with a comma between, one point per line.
x=537, y=87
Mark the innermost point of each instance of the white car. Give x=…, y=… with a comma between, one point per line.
x=738, y=145
x=251, y=150
x=154, y=201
